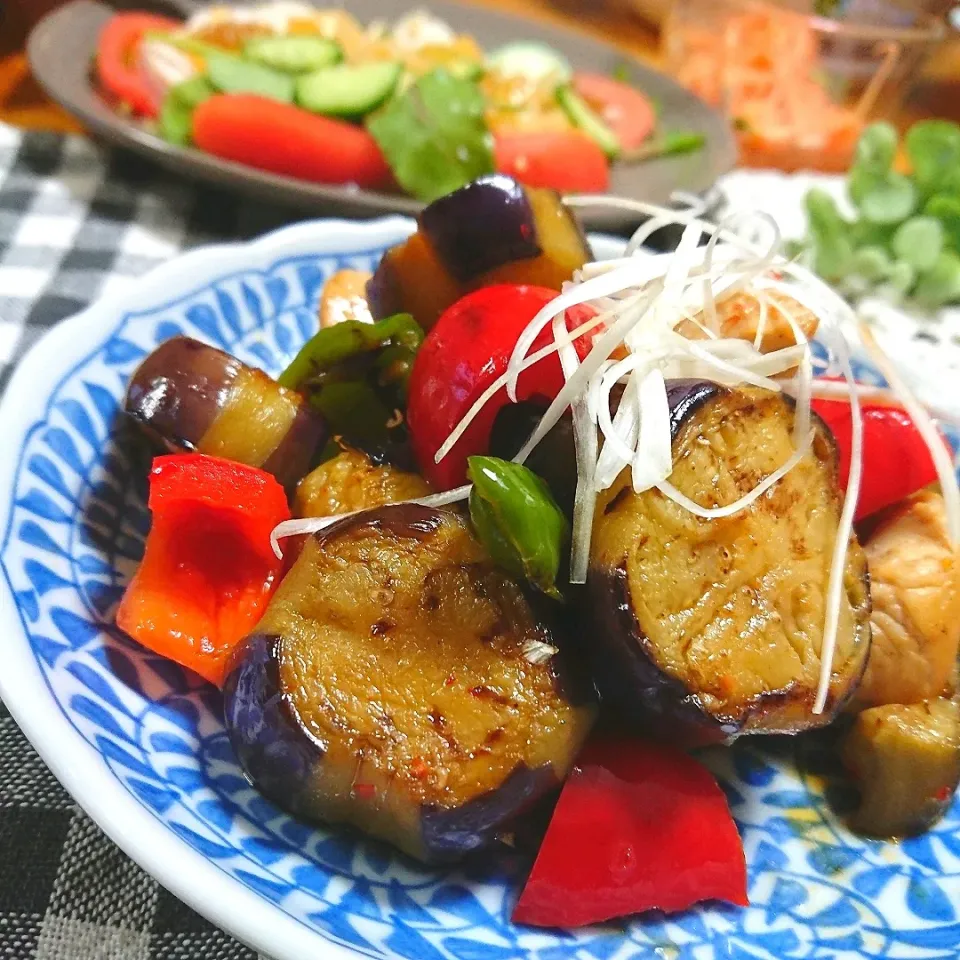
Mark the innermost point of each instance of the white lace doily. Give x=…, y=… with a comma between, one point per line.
x=926, y=346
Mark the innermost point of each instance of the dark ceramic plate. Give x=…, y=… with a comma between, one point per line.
x=61, y=48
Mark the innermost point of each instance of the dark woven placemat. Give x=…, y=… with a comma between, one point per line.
x=75, y=222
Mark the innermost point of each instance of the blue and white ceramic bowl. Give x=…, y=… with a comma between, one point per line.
x=140, y=743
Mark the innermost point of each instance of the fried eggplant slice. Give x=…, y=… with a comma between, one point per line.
x=906, y=762
x=710, y=628
x=351, y=481
x=397, y=683
x=915, y=584
x=493, y=230
x=188, y=396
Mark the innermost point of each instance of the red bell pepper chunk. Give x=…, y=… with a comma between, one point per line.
x=638, y=827
x=564, y=160
x=896, y=458
x=208, y=570
x=117, y=61
x=466, y=350
x=284, y=139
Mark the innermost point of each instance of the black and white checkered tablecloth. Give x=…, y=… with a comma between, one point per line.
x=75, y=222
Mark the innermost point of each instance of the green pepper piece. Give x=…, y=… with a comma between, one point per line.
x=517, y=520
x=333, y=345
x=353, y=410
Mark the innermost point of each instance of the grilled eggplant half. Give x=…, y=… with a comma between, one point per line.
x=906, y=762
x=710, y=628
x=401, y=683
x=190, y=396
x=351, y=481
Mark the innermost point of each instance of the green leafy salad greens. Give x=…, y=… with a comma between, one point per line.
x=904, y=239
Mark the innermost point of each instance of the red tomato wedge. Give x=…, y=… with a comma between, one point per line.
x=284, y=139
x=638, y=826
x=625, y=110
x=208, y=570
x=116, y=59
x=465, y=351
x=564, y=160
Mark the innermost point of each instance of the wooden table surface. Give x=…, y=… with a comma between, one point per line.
x=23, y=104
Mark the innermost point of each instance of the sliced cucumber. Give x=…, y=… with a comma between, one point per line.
x=233, y=75
x=191, y=93
x=346, y=90
x=293, y=54
x=535, y=61
x=586, y=119
x=175, y=123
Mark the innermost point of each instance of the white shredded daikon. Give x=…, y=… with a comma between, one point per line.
x=303, y=525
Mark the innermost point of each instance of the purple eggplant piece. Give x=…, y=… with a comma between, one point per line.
x=483, y=225
x=180, y=390
x=384, y=296
x=264, y=731
x=314, y=735
x=299, y=450
x=694, y=686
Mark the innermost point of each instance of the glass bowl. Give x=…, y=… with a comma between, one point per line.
x=798, y=88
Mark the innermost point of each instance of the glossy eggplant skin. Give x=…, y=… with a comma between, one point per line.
x=178, y=390
x=480, y=226
x=716, y=658
x=405, y=705
x=489, y=232
x=188, y=396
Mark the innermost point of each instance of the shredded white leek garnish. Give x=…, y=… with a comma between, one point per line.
x=303, y=525
x=641, y=306
x=617, y=390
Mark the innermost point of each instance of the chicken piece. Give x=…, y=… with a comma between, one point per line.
x=906, y=762
x=915, y=583
x=344, y=298
x=352, y=481
x=739, y=316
